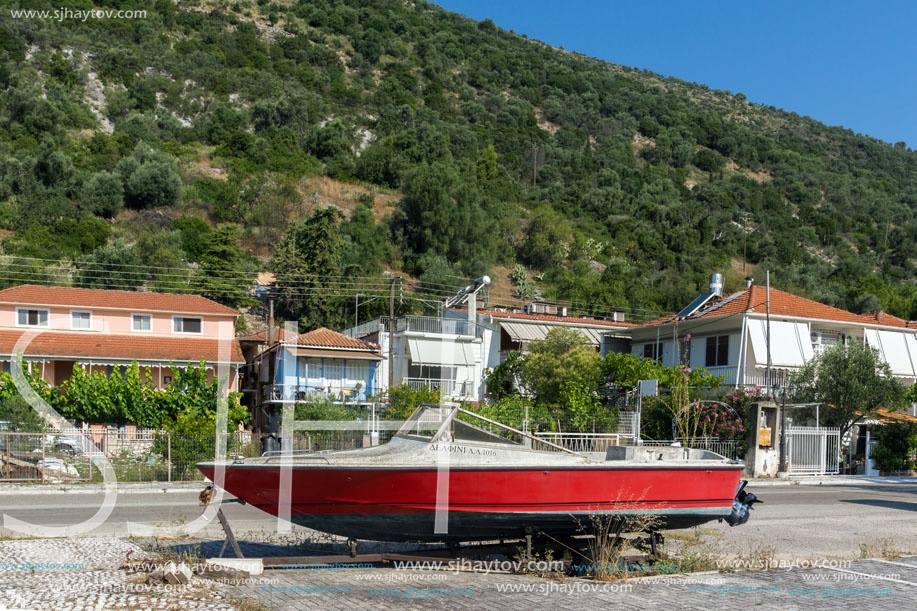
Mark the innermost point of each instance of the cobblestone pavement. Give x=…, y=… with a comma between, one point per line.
x=99, y=584
x=83, y=574
x=853, y=587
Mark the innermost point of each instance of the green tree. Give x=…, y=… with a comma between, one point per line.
x=505, y=380
x=150, y=178
x=709, y=161
x=221, y=257
x=444, y=215
x=102, y=195
x=365, y=243
x=850, y=380
x=487, y=164
x=115, y=264
x=19, y=415
x=404, y=399
x=563, y=356
x=306, y=264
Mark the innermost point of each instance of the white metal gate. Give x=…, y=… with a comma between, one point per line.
x=812, y=450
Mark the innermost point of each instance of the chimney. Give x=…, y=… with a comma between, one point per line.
x=879, y=314
x=716, y=284
x=749, y=281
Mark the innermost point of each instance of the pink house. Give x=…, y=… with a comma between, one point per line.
x=55, y=328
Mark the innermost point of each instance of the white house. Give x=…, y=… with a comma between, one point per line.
x=728, y=335
x=447, y=353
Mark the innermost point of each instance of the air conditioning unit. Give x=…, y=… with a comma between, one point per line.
x=816, y=338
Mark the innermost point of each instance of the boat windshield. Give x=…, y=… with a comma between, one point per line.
x=426, y=421
x=434, y=422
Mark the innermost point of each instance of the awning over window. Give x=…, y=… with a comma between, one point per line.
x=526, y=332
x=893, y=349
x=432, y=352
x=911, y=341
x=791, y=345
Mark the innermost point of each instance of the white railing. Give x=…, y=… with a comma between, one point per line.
x=724, y=447
x=579, y=442
x=451, y=389
x=305, y=392
x=812, y=450
x=444, y=326
x=368, y=328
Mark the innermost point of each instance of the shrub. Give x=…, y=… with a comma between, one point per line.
x=897, y=446
x=103, y=195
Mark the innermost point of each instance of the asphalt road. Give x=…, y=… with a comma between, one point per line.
x=830, y=520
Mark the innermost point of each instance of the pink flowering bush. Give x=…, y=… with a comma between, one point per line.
x=729, y=420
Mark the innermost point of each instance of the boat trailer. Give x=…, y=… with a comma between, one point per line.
x=535, y=542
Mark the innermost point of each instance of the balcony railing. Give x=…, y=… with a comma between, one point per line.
x=449, y=389
x=368, y=328
x=444, y=326
x=305, y=392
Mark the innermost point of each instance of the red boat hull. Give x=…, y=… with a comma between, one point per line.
x=399, y=503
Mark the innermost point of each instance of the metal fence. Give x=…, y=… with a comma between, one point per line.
x=135, y=456
x=580, y=442
x=812, y=450
x=731, y=449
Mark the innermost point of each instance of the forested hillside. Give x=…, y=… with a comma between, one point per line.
x=209, y=141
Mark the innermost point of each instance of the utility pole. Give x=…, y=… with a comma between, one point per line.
x=391, y=333
x=768, y=377
x=356, y=309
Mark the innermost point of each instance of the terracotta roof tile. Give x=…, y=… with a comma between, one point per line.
x=571, y=320
x=882, y=318
x=261, y=336
x=326, y=338
x=117, y=346
x=782, y=304
x=103, y=298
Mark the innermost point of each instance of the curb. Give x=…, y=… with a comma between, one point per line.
x=99, y=488
x=849, y=480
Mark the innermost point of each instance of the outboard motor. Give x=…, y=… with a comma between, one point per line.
x=744, y=503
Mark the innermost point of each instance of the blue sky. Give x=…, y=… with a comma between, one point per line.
x=843, y=63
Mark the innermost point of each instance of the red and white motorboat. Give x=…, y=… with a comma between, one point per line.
x=441, y=478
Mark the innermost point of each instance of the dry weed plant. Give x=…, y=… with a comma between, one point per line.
x=609, y=543
x=885, y=548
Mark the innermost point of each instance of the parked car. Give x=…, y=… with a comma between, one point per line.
x=59, y=443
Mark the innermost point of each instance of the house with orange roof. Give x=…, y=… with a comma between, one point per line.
x=319, y=364
x=57, y=328
x=728, y=334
